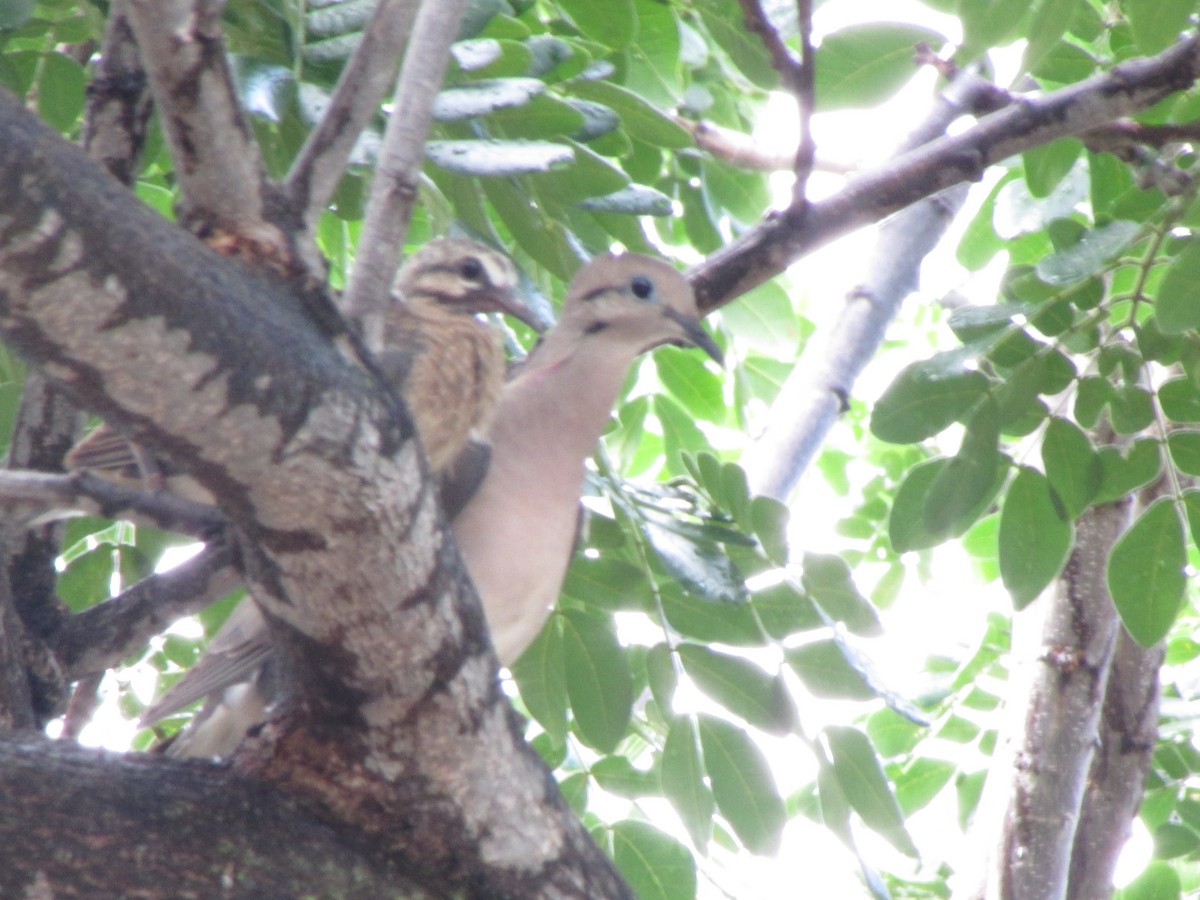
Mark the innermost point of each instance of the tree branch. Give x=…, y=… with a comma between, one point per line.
x=766, y=250
x=397, y=725
x=54, y=496
x=1115, y=784
x=818, y=390
x=363, y=84
x=394, y=190
x=220, y=174
x=69, y=814
x=96, y=639
x=1028, y=819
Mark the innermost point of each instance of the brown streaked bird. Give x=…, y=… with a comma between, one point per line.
x=517, y=532
x=450, y=368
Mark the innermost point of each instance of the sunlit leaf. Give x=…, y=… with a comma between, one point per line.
x=1090, y=255
x=925, y=398
x=540, y=673
x=828, y=671
x=683, y=781
x=612, y=24
x=866, y=787
x=598, y=679
x=742, y=784
x=656, y=865
x=741, y=686
x=829, y=581
x=862, y=65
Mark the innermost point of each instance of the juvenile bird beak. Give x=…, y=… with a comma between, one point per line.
x=695, y=334
x=511, y=303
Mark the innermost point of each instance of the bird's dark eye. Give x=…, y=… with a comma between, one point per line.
x=641, y=286
x=471, y=269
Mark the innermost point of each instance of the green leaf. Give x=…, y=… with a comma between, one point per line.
x=863, y=65
x=1185, y=450
x=632, y=200
x=540, y=674
x=1091, y=398
x=1156, y=25
x=1046, y=27
x=1090, y=255
x=1018, y=395
x=1125, y=473
x=642, y=120
x=613, y=24
x=656, y=866
x=14, y=13
x=745, y=49
x=599, y=682
x=770, y=519
x=617, y=775
x=861, y=779
x=1180, y=400
x=921, y=781
x=1191, y=505
x=926, y=397
x=60, y=91
x=1071, y=464
x=908, y=527
x=743, y=195
x=1131, y=409
x=765, y=319
x=700, y=391
x=540, y=118
x=988, y=25
x=906, y=524
x=703, y=620
x=591, y=176
x=970, y=477
x=828, y=580
x=741, y=686
x=828, y=671
x=1034, y=538
x=1158, y=881
x=1145, y=572
x=1047, y=165
x=701, y=567
x=683, y=781
x=498, y=158
x=1177, y=303
x=607, y=583
x=742, y=785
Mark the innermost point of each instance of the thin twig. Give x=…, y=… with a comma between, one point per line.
x=89, y=642
x=805, y=74
x=364, y=82
x=46, y=496
x=394, y=191
x=741, y=150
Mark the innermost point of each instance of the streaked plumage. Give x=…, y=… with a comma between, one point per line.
x=449, y=367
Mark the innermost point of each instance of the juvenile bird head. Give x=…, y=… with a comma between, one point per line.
x=462, y=276
x=637, y=300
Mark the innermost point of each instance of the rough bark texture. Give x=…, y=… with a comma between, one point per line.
x=1128, y=732
x=1030, y=816
x=141, y=826
x=397, y=727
